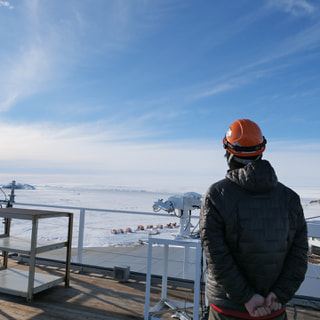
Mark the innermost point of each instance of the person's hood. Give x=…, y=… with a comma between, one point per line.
x=256, y=177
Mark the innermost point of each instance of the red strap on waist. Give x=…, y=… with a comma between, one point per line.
x=243, y=315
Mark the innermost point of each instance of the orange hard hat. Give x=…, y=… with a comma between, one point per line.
x=244, y=139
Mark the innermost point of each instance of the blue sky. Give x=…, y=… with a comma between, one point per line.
x=141, y=92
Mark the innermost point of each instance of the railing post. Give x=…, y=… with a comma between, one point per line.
x=185, y=273
x=81, y=234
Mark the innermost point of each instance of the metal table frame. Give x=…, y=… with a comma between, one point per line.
x=23, y=283
x=186, y=243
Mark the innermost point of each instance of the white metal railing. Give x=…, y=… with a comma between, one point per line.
x=313, y=226
x=82, y=216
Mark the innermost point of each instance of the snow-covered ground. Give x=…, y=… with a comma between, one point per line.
x=99, y=225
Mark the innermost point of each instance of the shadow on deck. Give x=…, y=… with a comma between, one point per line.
x=95, y=295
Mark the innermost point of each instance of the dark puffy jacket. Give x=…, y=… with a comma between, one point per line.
x=254, y=235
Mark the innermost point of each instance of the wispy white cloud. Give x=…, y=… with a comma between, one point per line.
x=24, y=75
x=244, y=75
x=293, y=7
x=83, y=151
x=6, y=4
x=47, y=50
x=272, y=62
x=26, y=70
x=45, y=149
x=222, y=87
x=295, y=161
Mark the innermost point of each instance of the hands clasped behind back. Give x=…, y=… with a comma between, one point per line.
x=258, y=306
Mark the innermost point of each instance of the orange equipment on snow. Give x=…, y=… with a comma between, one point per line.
x=244, y=139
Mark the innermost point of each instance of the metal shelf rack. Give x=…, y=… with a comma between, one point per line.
x=28, y=283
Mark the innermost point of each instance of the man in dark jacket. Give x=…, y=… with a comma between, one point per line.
x=253, y=233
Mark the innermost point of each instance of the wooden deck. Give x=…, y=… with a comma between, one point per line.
x=95, y=295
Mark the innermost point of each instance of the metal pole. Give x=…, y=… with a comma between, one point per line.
x=186, y=262
x=165, y=272
x=197, y=279
x=81, y=234
x=12, y=195
x=32, y=260
x=69, y=248
x=148, y=280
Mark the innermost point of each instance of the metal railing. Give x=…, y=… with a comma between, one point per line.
x=313, y=226
x=82, y=219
